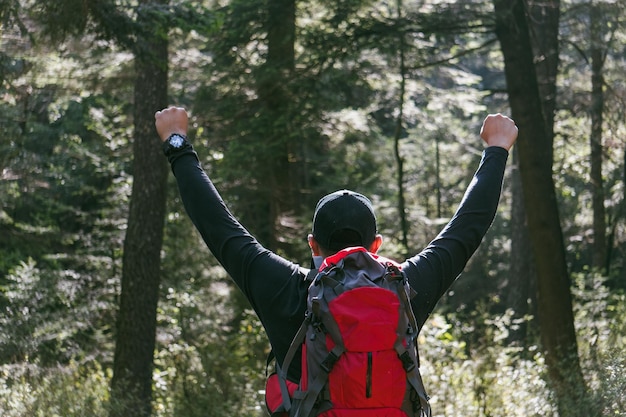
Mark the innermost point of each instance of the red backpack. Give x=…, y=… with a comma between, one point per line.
x=359, y=357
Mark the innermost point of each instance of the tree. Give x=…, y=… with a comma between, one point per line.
x=522, y=285
x=399, y=130
x=278, y=161
x=591, y=58
x=601, y=21
x=136, y=324
x=545, y=48
x=598, y=55
x=535, y=156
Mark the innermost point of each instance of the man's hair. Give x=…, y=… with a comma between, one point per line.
x=343, y=219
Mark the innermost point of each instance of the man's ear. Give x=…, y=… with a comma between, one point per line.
x=315, y=247
x=376, y=244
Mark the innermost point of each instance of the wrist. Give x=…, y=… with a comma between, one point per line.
x=174, y=143
x=168, y=134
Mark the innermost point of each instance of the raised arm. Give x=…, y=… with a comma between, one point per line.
x=248, y=263
x=434, y=269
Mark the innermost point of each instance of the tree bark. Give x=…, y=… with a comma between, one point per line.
x=279, y=171
x=399, y=130
x=522, y=286
x=545, y=47
x=131, y=385
x=534, y=144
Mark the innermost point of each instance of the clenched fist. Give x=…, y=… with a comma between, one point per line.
x=171, y=120
x=499, y=130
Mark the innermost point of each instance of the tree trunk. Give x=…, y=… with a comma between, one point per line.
x=599, y=256
x=279, y=171
x=131, y=385
x=556, y=317
x=404, y=224
x=522, y=286
x=523, y=270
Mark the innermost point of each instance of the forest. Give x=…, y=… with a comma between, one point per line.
x=112, y=305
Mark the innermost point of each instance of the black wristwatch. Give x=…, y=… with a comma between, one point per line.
x=175, y=143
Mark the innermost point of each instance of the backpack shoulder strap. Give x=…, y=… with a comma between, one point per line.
x=307, y=275
x=282, y=369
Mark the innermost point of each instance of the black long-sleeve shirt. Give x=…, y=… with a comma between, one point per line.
x=275, y=286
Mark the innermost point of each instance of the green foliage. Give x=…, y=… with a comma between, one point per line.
x=64, y=194
x=65, y=165
x=487, y=379
x=494, y=378
x=63, y=222
x=77, y=390
x=211, y=348
x=54, y=314
x=601, y=330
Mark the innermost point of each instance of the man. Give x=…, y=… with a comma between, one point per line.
x=275, y=286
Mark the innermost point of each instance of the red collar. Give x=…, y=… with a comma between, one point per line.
x=334, y=259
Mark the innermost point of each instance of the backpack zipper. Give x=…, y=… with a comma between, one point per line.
x=368, y=377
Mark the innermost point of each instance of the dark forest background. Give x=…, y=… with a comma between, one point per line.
x=111, y=305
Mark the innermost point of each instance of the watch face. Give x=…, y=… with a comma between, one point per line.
x=176, y=141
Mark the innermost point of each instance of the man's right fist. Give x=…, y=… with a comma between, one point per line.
x=499, y=130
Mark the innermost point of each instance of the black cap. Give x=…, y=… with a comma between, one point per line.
x=343, y=219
